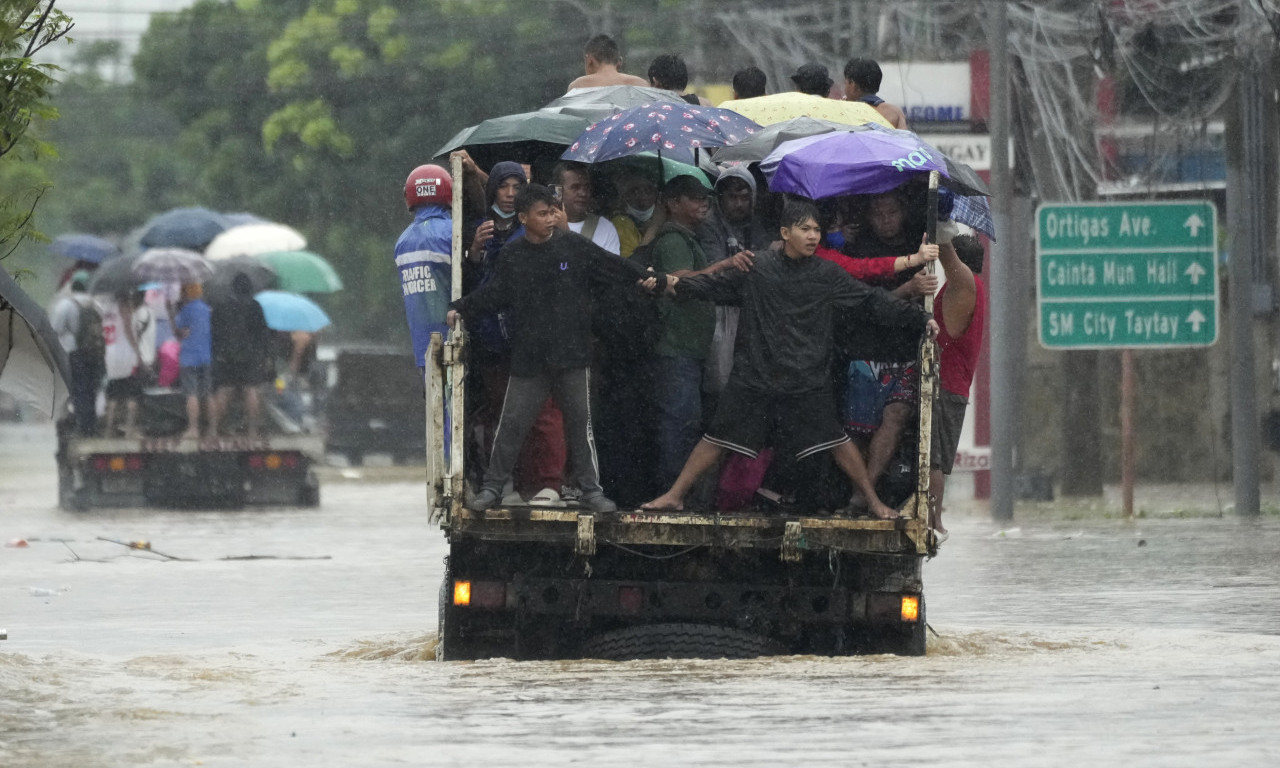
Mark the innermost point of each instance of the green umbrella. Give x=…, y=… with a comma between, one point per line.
x=647, y=162
x=523, y=138
x=302, y=272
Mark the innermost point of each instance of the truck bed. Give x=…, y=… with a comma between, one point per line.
x=790, y=534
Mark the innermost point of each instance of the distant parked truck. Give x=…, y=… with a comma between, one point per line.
x=375, y=406
x=157, y=469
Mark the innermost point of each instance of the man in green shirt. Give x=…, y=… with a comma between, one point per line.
x=687, y=325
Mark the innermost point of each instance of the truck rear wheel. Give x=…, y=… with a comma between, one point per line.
x=678, y=641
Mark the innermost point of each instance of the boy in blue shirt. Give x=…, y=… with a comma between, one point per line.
x=192, y=326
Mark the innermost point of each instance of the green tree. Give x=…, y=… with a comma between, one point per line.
x=26, y=28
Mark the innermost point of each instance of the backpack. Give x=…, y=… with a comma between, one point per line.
x=89, y=338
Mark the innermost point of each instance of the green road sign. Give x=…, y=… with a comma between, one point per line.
x=1127, y=274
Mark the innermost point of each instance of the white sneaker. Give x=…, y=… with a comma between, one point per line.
x=547, y=497
x=509, y=496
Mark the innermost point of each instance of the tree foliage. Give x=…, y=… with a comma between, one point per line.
x=26, y=85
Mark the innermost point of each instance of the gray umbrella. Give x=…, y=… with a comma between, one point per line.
x=597, y=103
x=218, y=288
x=115, y=275
x=33, y=365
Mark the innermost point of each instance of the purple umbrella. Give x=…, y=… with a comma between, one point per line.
x=670, y=129
x=852, y=163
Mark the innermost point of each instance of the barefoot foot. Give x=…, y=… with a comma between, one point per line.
x=665, y=502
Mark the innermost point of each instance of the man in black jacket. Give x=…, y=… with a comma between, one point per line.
x=780, y=387
x=545, y=281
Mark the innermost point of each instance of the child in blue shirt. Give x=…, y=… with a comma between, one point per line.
x=192, y=326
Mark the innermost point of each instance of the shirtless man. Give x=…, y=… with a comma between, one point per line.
x=862, y=81
x=601, y=59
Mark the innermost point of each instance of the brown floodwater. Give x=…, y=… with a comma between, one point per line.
x=1057, y=643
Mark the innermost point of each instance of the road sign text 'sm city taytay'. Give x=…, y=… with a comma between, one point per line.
x=1127, y=274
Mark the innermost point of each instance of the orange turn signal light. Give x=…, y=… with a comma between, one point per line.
x=910, y=608
x=462, y=593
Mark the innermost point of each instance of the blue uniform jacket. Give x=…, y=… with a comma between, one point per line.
x=423, y=258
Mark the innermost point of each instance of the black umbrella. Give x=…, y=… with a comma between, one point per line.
x=33, y=365
x=597, y=103
x=115, y=275
x=218, y=288
x=190, y=228
x=524, y=138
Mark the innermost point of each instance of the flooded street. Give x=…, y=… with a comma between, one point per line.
x=305, y=637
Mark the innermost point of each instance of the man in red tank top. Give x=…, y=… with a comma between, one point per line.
x=961, y=311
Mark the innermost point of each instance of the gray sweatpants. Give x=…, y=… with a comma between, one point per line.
x=571, y=388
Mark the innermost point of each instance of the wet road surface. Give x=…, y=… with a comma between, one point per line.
x=1058, y=643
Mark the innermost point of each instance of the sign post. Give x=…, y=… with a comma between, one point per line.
x=1127, y=276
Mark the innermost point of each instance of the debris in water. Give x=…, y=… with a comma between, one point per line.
x=1010, y=533
x=18, y=543
x=1142, y=542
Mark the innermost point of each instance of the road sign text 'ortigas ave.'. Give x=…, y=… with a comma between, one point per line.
x=1127, y=274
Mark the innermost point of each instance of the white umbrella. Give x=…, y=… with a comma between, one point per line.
x=253, y=239
x=171, y=265
x=33, y=367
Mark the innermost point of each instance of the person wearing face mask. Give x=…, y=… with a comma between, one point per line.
x=638, y=199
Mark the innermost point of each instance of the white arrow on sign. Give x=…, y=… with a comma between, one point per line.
x=1196, y=320
x=1195, y=271
x=1194, y=223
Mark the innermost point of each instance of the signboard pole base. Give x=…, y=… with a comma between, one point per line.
x=1126, y=430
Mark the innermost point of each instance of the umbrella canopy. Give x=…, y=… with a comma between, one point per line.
x=261, y=277
x=291, y=312
x=302, y=272
x=758, y=145
x=114, y=276
x=670, y=129
x=33, y=365
x=605, y=100
x=853, y=163
x=78, y=246
x=171, y=265
x=192, y=228
x=767, y=110
x=243, y=217
x=972, y=210
x=662, y=169
x=252, y=239
x=523, y=138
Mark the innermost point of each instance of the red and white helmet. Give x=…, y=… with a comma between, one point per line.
x=428, y=184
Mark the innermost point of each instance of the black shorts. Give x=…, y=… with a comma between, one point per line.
x=128, y=388
x=948, y=420
x=239, y=373
x=799, y=425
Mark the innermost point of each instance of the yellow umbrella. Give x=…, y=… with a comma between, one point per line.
x=767, y=110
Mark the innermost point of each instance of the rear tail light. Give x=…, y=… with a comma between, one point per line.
x=630, y=599
x=290, y=460
x=481, y=594
x=462, y=593
x=117, y=463
x=100, y=463
x=910, y=608
x=489, y=594
x=133, y=463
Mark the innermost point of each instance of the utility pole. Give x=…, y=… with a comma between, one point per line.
x=1247, y=201
x=1003, y=334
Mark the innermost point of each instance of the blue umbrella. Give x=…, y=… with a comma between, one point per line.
x=190, y=228
x=973, y=210
x=78, y=246
x=290, y=312
x=860, y=162
x=669, y=129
